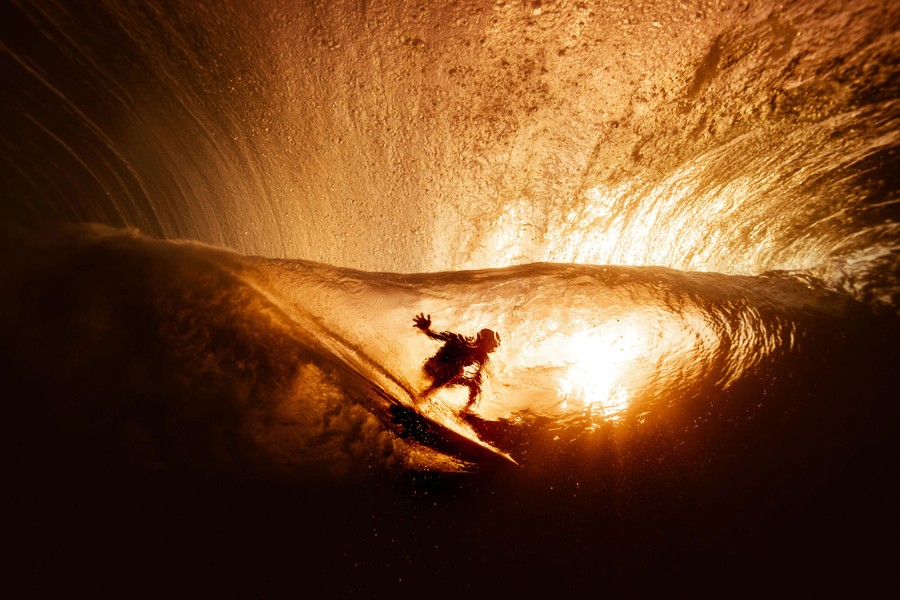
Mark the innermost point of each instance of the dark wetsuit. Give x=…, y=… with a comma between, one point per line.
x=448, y=367
x=459, y=361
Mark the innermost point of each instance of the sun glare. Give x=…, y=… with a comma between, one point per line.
x=595, y=362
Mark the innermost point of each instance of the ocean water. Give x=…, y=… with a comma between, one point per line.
x=220, y=220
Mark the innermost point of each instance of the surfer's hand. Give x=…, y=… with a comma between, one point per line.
x=422, y=322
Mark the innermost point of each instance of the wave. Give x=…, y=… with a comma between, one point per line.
x=242, y=362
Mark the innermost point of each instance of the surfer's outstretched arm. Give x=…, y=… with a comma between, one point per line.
x=424, y=323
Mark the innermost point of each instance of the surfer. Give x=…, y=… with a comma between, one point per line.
x=460, y=360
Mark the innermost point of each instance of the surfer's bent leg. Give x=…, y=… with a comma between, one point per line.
x=474, y=385
x=474, y=389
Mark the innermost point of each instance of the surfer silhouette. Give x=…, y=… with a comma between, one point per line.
x=460, y=360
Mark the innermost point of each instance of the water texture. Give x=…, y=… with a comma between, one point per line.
x=219, y=220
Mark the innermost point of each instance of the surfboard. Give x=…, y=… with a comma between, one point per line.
x=441, y=430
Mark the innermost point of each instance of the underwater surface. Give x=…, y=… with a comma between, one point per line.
x=220, y=219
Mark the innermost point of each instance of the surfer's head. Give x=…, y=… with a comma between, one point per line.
x=488, y=339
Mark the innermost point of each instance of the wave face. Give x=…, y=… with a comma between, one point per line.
x=681, y=218
x=269, y=366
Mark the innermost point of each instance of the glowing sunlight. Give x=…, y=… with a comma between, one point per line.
x=595, y=364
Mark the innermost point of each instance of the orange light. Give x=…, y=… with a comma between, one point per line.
x=595, y=360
